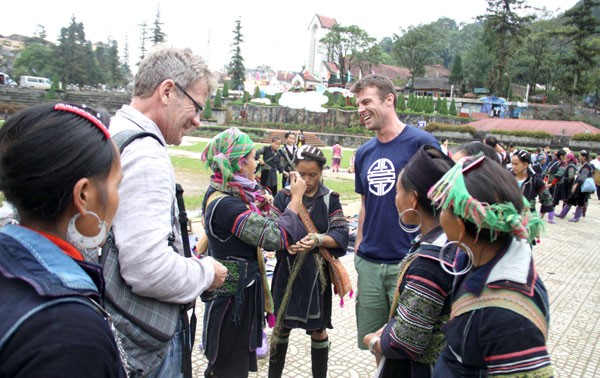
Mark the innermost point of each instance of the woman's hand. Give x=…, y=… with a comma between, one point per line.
x=297, y=185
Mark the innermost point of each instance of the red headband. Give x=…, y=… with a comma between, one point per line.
x=82, y=113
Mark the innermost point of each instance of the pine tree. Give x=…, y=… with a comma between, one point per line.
x=158, y=36
x=429, y=106
x=444, y=108
x=237, y=71
x=207, y=113
x=438, y=104
x=226, y=89
x=400, y=104
x=218, y=100
x=411, y=102
x=246, y=97
x=330, y=99
x=256, y=93
x=418, y=104
x=452, y=110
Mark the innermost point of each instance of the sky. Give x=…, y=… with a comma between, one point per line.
x=275, y=32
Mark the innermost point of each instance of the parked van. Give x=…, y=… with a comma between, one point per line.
x=35, y=82
x=6, y=80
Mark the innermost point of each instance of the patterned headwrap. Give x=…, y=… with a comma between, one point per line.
x=451, y=191
x=224, y=151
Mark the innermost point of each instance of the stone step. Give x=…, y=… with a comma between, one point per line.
x=310, y=138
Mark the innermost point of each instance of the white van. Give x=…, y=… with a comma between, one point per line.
x=6, y=80
x=35, y=82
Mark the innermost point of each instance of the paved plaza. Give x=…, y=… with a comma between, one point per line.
x=567, y=259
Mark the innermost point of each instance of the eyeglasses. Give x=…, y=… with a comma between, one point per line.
x=199, y=108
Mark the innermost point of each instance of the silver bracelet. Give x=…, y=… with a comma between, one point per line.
x=372, y=344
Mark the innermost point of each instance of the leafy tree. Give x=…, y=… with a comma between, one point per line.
x=36, y=59
x=444, y=108
x=417, y=47
x=504, y=29
x=237, y=71
x=347, y=46
x=256, y=93
x=582, y=29
x=158, y=35
x=452, y=110
x=207, y=112
x=457, y=75
x=226, y=89
x=342, y=100
x=539, y=59
x=218, y=99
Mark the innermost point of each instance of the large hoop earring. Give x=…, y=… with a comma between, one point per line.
x=461, y=246
x=86, y=242
x=404, y=226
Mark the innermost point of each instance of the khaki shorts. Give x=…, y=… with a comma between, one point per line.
x=376, y=286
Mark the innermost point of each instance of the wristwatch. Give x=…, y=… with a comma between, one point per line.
x=372, y=344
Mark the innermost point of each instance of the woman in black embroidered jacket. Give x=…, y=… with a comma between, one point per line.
x=412, y=340
x=532, y=185
x=307, y=304
x=239, y=224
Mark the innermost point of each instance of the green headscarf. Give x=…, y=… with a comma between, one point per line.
x=451, y=191
x=224, y=151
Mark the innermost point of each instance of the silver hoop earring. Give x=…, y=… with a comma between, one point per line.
x=460, y=246
x=404, y=226
x=86, y=242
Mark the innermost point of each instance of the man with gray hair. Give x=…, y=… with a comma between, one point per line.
x=149, y=280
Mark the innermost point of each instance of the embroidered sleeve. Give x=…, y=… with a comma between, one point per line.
x=272, y=235
x=257, y=230
x=414, y=332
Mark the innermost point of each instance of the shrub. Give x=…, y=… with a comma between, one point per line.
x=434, y=126
x=522, y=133
x=207, y=113
x=587, y=136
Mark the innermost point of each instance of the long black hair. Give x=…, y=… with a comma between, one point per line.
x=44, y=151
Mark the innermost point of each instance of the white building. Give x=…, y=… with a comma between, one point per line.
x=317, y=52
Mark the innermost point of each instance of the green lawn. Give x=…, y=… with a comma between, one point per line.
x=192, y=166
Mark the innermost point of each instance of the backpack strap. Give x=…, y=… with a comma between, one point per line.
x=123, y=138
x=501, y=298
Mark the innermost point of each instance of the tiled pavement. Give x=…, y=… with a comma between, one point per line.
x=567, y=259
